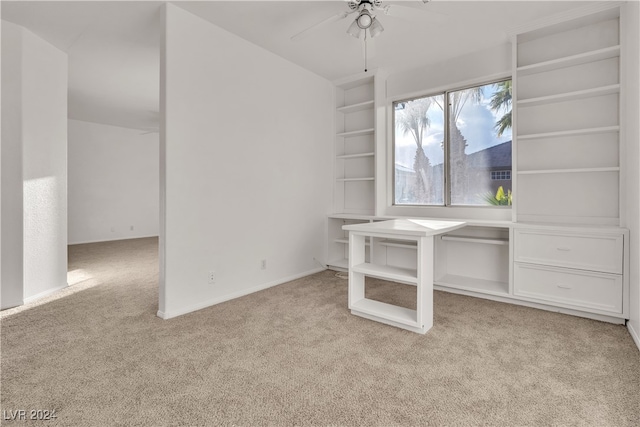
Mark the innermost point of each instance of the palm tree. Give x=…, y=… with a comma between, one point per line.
x=501, y=101
x=412, y=119
x=457, y=141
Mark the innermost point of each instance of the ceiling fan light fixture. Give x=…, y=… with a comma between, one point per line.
x=375, y=28
x=364, y=20
x=354, y=29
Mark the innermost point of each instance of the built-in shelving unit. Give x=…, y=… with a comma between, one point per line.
x=567, y=121
x=564, y=250
x=355, y=148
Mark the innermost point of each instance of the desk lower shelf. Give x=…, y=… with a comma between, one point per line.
x=390, y=312
x=396, y=274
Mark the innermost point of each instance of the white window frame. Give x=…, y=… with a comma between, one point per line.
x=447, y=209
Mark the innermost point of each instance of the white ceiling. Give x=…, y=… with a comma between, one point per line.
x=113, y=47
x=114, y=55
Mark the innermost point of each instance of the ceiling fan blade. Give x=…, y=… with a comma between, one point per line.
x=413, y=14
x=319, y=25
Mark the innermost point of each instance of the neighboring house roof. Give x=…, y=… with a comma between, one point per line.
x=496, y=157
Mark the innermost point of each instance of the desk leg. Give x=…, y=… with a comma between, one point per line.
x=357, y=250
x=424, y=306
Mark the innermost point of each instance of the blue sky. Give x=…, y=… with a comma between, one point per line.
x=476, y=122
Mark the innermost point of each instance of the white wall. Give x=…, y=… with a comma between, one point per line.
x=44, y=157
x=0, y=170
x=113, y=182
x=12, y=229
x=472, y=68
x=631, y=15
x=246, y=162
x=35, y=109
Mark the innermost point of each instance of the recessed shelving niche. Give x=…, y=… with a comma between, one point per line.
x=354, y=148
x=567, y=109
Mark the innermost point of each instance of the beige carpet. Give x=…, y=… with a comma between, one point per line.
x=293, y=355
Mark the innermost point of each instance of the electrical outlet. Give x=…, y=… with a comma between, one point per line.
x=263, y=264
x=212, y=277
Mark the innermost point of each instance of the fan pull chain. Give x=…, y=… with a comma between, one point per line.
x=365, y=51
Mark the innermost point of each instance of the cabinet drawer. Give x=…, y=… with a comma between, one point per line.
x=600, y=291
x=583, y=251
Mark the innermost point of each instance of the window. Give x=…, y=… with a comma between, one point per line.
x=500, y=175
x=454, y=148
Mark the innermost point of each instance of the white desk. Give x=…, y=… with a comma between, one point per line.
x=417, y=230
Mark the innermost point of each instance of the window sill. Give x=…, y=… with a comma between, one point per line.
x=488, y=213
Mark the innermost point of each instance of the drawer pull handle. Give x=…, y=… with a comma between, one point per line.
x=564, y=249
x=564, y=287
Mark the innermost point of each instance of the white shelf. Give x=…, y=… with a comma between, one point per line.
x=345, y=241
x=355, y=179
x=473, y=239
x=473, y=284
x=569, y=61
x=587, y=131
x=405, y=244
x=358, y=132
x=580, y=170
x=356, y=107
x=357, y=212
x=405, y=275
x=394, y=313
x=339, y=263
x=570, y=96
x=354, y=156
x=363, y=218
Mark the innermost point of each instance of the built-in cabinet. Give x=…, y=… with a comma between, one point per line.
x=581, y=269
x=564, y=250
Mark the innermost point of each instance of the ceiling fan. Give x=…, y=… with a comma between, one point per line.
x=366, y=21
x=366, y=18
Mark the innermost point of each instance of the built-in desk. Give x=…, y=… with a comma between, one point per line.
x=421, y=232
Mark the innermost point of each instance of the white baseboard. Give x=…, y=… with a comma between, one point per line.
x=634, y=334
x=44, y=294
x=619, y=320
x=82, y=242
x=234, y=295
